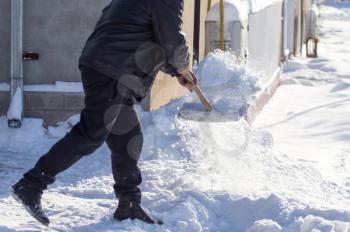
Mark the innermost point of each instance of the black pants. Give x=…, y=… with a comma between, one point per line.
x=109, y=115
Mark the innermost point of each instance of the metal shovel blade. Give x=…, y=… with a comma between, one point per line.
x=196, y=112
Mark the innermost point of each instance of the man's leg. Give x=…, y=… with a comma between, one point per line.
x=103, y=99
x=86, y=136
x=125, y=142
x=103, y=102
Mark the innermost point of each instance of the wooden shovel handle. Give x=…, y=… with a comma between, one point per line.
x=189, y=77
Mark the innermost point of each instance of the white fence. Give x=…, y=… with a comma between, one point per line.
x=265, y=32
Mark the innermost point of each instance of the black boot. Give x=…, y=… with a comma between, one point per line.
x=31, y=200
x=128, y=208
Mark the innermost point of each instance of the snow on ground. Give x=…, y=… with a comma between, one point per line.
x=309, y=114
x=290, y=172
x=59, y=86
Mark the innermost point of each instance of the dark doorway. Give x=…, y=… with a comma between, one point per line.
x=197, y=28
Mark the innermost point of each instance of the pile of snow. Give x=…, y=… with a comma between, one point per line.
x=197, y=177
x=229, y=84
x=338, y=11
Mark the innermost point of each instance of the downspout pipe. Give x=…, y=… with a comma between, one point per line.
x=302, y=41
x=15, y=111
x=284, y=46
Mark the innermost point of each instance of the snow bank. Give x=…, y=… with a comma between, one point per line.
x=26, y=139
x=229, y=84
x=265, y=225
x=332, y=10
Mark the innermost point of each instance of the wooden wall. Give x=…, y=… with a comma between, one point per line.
x=165, y=87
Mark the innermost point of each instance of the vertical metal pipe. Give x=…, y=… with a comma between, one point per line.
x=16, y=58
x=197, y=31
x=302, y=28
x=16, y=41
x=222, y=25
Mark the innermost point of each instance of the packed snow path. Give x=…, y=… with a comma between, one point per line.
x=220, y=176
x=309, y=116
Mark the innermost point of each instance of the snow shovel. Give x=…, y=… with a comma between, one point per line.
x=189, y=77
x=195, y=112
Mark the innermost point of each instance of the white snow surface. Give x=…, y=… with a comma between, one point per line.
x=290, y=171
x=4, y=87
x=59, y=86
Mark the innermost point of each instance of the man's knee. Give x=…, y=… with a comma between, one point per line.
x=89, y=141
x=134, y=147
x=129, y=145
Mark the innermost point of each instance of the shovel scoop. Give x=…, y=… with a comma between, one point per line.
x=190, y=78
x=196, y=112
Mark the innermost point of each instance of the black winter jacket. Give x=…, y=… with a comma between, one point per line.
x=137, y=38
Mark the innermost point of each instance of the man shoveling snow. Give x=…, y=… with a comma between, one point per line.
x=132, y=41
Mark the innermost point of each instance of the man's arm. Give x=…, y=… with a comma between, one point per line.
x=167, y=23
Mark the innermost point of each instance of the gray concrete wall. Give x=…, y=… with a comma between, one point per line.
x=5, y=41
x=57, y=30
x=52, y=107
x=4, y=102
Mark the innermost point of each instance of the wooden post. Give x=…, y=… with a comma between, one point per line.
x=222, y=25
x=209, y=5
